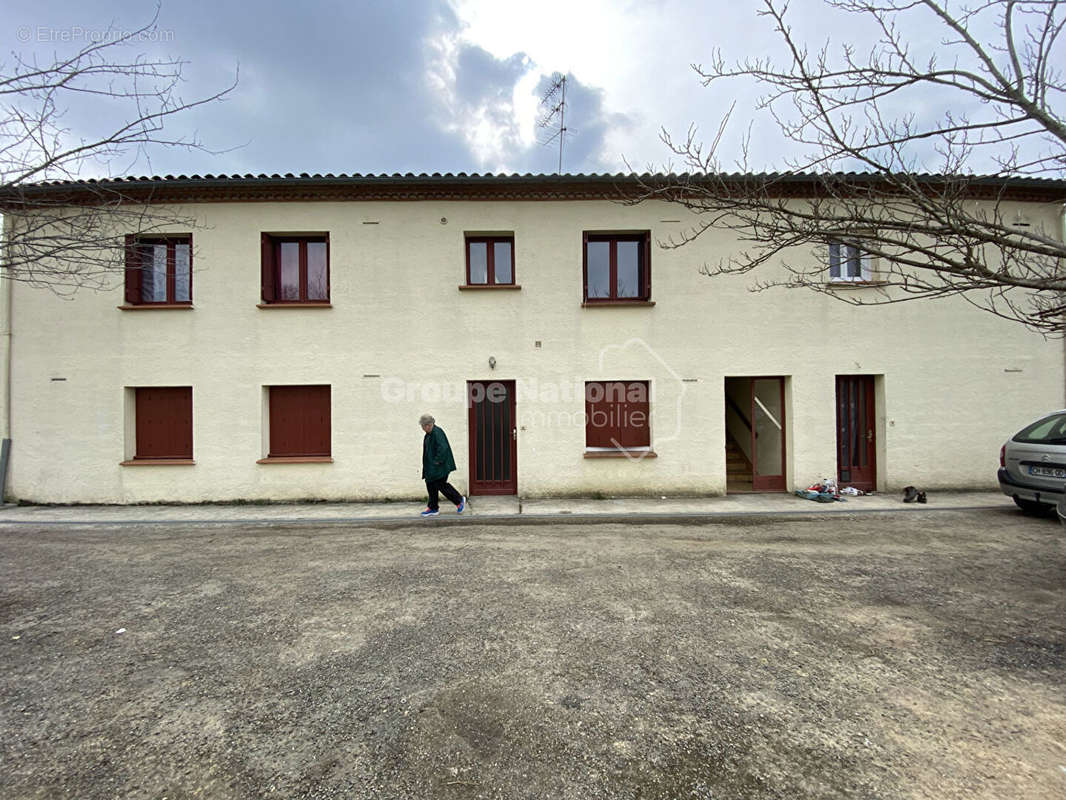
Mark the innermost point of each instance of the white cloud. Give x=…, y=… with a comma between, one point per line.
x=486, y=120
x=638, y=53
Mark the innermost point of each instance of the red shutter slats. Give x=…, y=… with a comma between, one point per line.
x=133, y=270
x=164, y=422
x=267, y=269
x=584, y=267
x=300, y=421
x=617, y=414
x=645, y=272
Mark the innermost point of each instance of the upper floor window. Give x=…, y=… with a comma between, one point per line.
x=295, y=268
x=617, y=267
x=848, y=262
x=159, y=270
x=490, y=260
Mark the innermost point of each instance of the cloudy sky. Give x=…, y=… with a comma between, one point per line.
x=428, y=85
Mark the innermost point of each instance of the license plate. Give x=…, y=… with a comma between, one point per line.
x=1047, y=472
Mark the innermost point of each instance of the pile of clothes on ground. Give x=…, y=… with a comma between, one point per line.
x=825, y=492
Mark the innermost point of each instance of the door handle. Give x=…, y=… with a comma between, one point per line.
x=514, y=434
x=869, y=435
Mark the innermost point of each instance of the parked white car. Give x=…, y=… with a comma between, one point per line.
x=1032, y=464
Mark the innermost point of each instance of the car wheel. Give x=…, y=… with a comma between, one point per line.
x=1031, y=506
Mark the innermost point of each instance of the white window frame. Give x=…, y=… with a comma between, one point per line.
x=852, y=255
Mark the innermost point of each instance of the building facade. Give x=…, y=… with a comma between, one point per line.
x=283, y=344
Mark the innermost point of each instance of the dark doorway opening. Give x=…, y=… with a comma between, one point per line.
x=755, y=434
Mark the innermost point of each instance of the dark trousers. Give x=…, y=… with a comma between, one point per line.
x=442, y=485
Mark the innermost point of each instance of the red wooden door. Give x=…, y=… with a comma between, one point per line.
x=856, y=440
x=493, y=438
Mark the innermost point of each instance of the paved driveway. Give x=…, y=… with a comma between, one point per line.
x=918, y=655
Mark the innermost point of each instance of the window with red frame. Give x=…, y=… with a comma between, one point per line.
x=299, y=421
x=490, y=260
x=617, y=267
x=163, y=423
x=617, y=414
x=295, y=269
x=159, y=270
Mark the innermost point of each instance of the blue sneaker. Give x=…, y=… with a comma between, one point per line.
x=430, y=512
x=462, y=505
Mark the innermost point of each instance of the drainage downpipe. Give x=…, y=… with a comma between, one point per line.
x=5, y=369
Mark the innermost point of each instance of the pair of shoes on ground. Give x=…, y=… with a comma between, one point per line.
x=433, y=512
x=912, y=495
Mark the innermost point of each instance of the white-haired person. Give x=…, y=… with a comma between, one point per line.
x=437, y=462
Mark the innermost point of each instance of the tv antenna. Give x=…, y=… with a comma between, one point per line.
x=554, y=104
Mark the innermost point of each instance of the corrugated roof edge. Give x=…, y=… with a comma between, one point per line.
x=491, y=178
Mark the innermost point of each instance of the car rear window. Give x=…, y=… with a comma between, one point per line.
x=1050, y=430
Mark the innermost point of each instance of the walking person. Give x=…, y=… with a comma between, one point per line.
x=437, y=462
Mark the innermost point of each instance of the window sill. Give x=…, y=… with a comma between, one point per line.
x=156, y=307
x=296, y=460
x=294, y=305
x=621, y=453
x=158, y=462
x=466, y=287
x=854, y=284
x=615, y=303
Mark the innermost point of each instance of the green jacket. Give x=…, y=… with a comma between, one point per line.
x=437, y=459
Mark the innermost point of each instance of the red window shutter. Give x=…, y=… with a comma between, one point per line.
x=327, y=268
x=634, y=416
x=190, y=268
x=645, y=272
x=299, y=421
x=133, y=270
x=617, y=414
x=598, y=431
x=268, y=270
x=318, y=414
x=584, y=267
x=164, y=422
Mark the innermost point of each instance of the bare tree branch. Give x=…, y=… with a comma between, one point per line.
x=65, y=247
x=931, y=235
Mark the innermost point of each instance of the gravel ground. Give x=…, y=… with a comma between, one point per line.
x=860, y=656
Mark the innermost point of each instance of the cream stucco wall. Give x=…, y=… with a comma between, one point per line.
x=955, y=382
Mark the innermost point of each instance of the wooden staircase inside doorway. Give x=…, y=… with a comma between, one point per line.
x=738, y=471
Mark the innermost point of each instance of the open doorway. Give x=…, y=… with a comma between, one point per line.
x=755, y=434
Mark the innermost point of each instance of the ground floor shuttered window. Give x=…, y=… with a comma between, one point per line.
x=617, y=414
x=164, y=423
x=299, y=421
